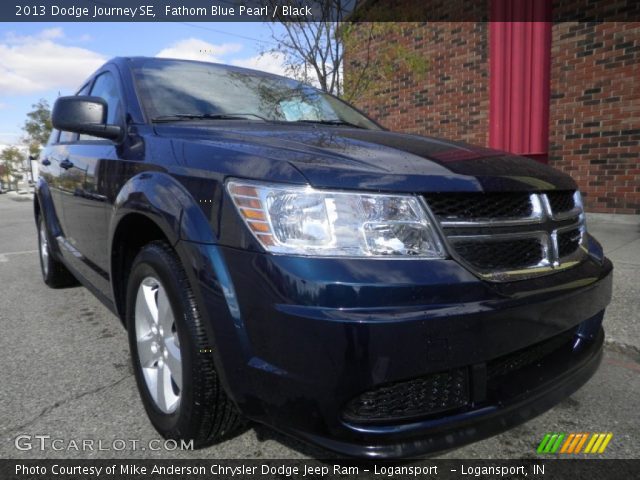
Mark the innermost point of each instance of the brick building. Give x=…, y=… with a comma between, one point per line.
x=566, y=93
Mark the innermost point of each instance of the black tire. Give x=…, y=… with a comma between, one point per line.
x=204, y=412
x=54, y=273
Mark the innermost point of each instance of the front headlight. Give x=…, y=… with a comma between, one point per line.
x=306, y=221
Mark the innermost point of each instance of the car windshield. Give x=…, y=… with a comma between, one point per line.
x=179, y=90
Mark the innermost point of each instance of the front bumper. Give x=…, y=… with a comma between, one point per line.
x=297, y=339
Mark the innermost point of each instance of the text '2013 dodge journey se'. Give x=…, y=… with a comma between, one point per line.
x=277, y=256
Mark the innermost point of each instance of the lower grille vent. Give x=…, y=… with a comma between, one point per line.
x=449, y=393
x=527, y=356
x=419, y=397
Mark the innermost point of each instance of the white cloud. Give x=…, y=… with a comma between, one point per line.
x=272, y=62
x=52, y=33
x=12, y=37
x=36, y=63
x=196, y=49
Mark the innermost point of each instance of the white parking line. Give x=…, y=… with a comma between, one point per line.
x=4, y=257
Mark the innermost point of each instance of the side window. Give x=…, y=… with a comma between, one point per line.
x=53, y=137
x=106, y=87
x=84, y=90
x=66, y=137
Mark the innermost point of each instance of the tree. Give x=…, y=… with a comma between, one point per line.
x=37, y=127
x=385, y=59
x=314, y=52
x=11, y=159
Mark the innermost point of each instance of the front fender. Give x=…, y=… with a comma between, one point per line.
x=167, y=203
x=171, y=207
x=42, y=195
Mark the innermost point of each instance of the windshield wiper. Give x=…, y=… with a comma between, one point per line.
x=331, y=122
x=205, y=116
x=243, y=116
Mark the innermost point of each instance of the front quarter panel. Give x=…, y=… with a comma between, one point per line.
x=155, y=195
x=48, y=211
x=169, y=202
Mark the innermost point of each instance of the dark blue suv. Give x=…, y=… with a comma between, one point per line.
x=277, y=256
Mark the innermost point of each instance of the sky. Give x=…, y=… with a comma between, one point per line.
x=44, y=60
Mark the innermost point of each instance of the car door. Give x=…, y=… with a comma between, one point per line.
x=85, y=203
x=49, y=170
x=56, y=151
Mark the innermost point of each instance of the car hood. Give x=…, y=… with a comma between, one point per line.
x=338, y=157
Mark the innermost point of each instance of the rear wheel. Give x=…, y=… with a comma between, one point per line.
x=171, y=352
x=54, y=273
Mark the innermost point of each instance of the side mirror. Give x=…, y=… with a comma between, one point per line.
x=84, y=114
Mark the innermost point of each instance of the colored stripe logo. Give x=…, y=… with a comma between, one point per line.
x=572, y=443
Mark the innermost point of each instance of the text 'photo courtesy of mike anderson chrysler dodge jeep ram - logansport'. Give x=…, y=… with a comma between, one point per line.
x=277, y=256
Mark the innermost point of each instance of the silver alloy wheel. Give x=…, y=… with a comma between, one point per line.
x=158, y=344
x=44, y=249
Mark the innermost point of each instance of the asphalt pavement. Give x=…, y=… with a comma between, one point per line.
x=65, y=369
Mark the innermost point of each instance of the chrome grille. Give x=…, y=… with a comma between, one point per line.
x=506, y=236
x=490, y=205
x=568, y=241
x=499, y=254
x=561, y=202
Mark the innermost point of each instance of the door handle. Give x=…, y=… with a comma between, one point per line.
x=46, y=162
x=66, y=164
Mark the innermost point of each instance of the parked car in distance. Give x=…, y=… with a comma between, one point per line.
x=277, y=256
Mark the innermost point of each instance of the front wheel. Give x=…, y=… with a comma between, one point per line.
x=54, y=273
x=171, y=352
